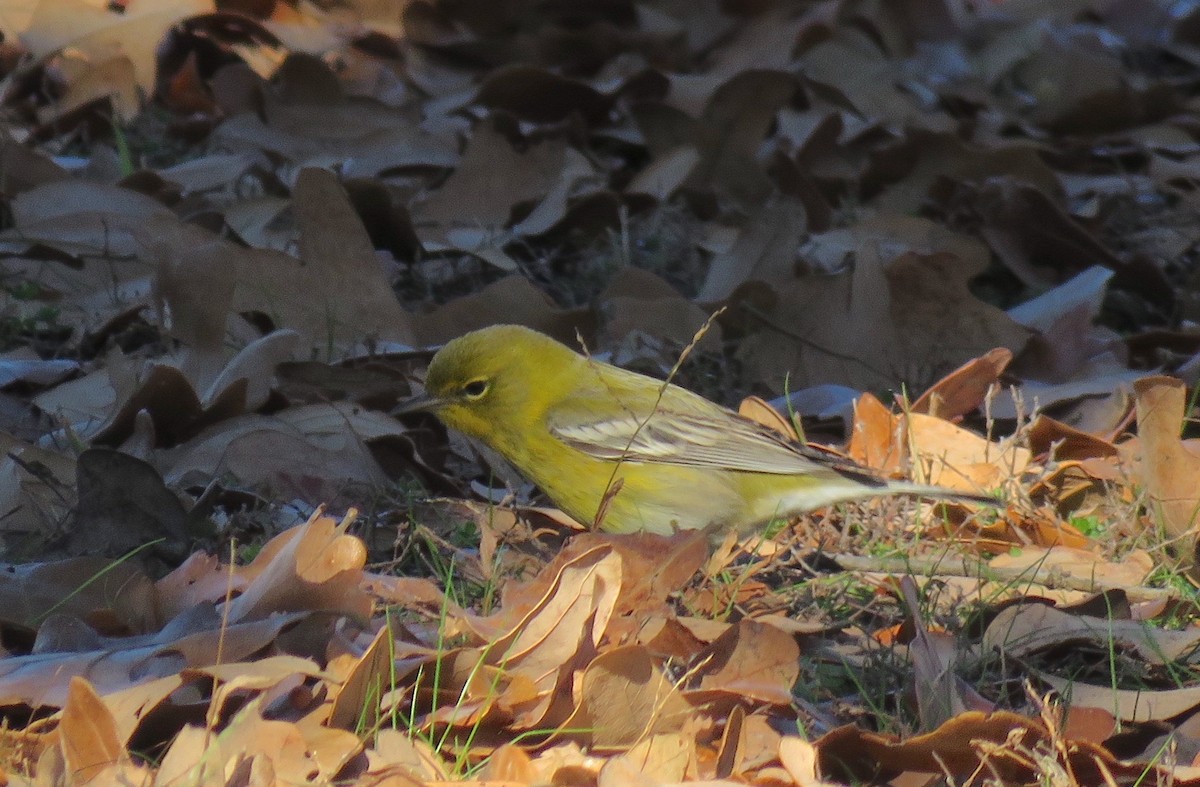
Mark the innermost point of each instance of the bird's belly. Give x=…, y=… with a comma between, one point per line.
x=629, y=497
x=671, y=498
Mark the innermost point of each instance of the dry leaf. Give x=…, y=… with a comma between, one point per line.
x=625, y=697
x=319, y=567
x=87, y=734
x=1168, y=470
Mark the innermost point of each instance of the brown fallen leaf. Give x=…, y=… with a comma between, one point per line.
x=27, y=168
x=475, y=197
x=749, y=660
x=902, y=282
x=538, y=95
x=94, y=32
x=799, y=757
x=668, y=638
x=625, y=697
x=964, y=389
x=638, y=301
x=652, y=567
x=356, y=700
x=31, y=592
x=317, y=567
x=194, y=290
x=941, y=694
x=334, y=247
x=767, y=249
x=1169, y=471
x=658, y=759
x=851, y=62
x=87, y=734
x=662, y=177
x=41, y=679
x=758, y=410
x=1127, y=705
x=735, y=120
x=1024, y=226
x=1046, y=434
x=131, y=706
x=398, y=755
x=932, y=449
x=509, y=765
x=172, y=404
x=878, y=439
x=287, y=751
x=928, y=157
x=512, y=299
x=951, y=456
x=124, y=506
x=1021, y=630
x=314, y=452
x=957, y=747
x=561, y=633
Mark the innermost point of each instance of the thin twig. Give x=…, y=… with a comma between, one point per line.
x=963, y=566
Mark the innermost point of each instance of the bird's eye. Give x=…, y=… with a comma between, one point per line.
x=475, y=389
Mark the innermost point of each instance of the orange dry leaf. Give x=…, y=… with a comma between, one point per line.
x=757, y=409
x=561, y=633
x=715, y=599
x=625, y=696
x=1047, y=435
x=314, y=566
x=509, y=764
x=954, y=749
x=667, y=757
x=937, y=451
x=669, y=638
x=877, y=438
x=357, y=698
x=1169, y=472
x=289, y=752
x=799, y=757
x=406, y=759
x=964, y=389
x=524, y=669
x=948, y=455
x=88, y=734
x=750, y=660
x=652, y=567
x=1020, y=527
x=889, y=635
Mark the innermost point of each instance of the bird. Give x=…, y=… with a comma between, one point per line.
x=625, y=452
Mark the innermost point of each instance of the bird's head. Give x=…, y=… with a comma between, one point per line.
x=489, y=382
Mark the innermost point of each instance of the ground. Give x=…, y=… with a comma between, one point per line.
x=954, y=241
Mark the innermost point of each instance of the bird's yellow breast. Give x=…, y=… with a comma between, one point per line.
x=634, y=496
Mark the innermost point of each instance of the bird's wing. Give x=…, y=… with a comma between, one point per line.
x=716, y=439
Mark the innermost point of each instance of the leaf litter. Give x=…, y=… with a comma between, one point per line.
x=958, y=240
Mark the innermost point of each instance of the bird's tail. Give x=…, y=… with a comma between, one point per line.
x=935, y=492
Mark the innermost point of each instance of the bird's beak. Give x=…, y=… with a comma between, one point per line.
x=421, y=403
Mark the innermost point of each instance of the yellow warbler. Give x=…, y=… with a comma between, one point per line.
x=626, y=451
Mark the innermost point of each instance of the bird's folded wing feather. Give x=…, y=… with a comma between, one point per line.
x=722, y=441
